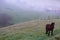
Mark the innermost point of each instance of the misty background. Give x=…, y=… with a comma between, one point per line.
x=27, y=10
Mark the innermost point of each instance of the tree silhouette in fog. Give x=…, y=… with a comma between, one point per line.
x=5, y=19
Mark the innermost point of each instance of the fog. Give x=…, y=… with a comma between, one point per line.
x=26, y=10
x=38, y=5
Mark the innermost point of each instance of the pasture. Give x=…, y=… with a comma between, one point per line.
x=31, y=30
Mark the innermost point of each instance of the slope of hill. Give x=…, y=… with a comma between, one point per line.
x=31, y=30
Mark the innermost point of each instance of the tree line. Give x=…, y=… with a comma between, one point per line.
x=5, y=19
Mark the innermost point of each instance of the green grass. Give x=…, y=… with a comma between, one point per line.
x=33, y=30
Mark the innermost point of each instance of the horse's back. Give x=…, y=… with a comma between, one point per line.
x=47, y=26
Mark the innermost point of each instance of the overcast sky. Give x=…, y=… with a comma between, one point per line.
x=38, y=5
x=35, y=4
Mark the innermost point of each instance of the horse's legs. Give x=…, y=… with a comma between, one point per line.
x=52, y=33
x=48, y=33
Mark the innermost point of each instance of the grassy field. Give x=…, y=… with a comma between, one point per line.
x=31, y=30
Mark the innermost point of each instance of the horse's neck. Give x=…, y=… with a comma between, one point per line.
x=51, y=25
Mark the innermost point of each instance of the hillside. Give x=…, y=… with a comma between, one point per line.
x=31, y=30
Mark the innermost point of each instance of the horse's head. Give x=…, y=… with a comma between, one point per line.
x=53, y=23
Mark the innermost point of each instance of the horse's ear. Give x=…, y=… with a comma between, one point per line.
x=53, y=23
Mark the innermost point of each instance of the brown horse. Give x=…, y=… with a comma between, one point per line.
x=50, y=28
